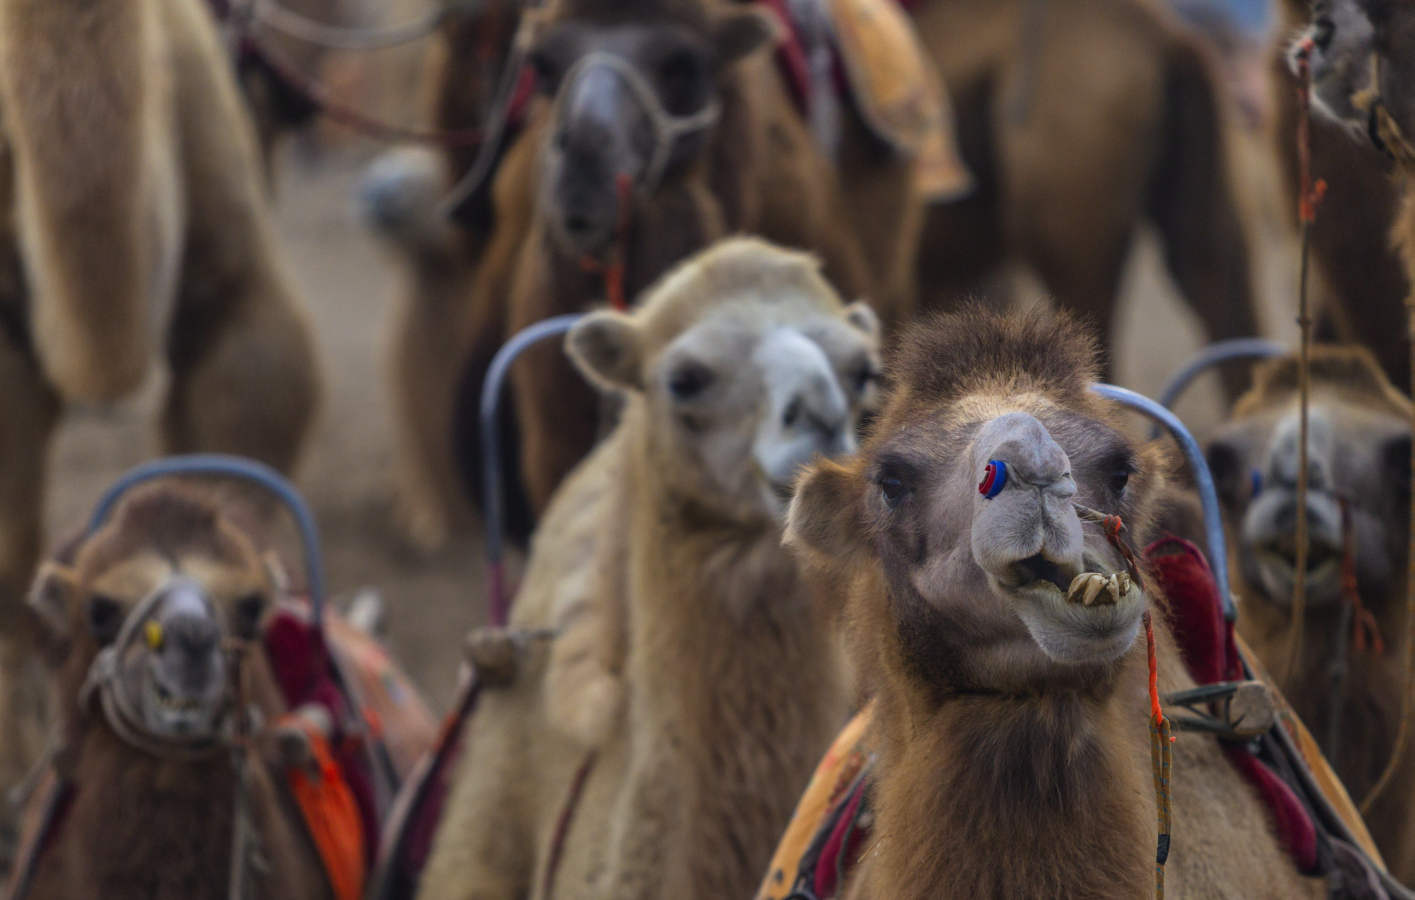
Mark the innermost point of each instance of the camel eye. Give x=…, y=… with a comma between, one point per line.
x=1323, y=30
x=895, y=485
x=680, y=80
x=105, y=617
x=248, y=612
x=546, y=70
x=863, y=377
x=689, y=380
x=1119, y=478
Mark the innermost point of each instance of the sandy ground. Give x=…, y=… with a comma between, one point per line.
x=349, y=284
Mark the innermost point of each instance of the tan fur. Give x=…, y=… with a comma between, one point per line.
x=1347, y=385
x=177, y=804
x=1080, y=119
x=690, y=660
x=135, y=230
x=969, y=772
x=85, y=97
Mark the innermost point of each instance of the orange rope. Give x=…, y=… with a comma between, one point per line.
x=1161, y=760
x=1161, y=730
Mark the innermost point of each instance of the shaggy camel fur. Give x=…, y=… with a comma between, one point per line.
x=1080, y=119
x=1359, y=454
x=690, y=663
x=136, y=229
x=1011, y=692
x=141, y=825
x=1361, y=284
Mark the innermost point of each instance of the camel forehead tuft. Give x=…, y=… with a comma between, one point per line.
x=745, y=274
x=169, y=521
x=1348, y=371
x=976, y=352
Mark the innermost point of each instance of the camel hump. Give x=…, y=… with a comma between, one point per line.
x=899, y=91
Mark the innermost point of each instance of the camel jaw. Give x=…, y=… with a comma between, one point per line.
x=1094, y=621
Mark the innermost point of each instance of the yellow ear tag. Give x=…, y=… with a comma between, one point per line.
x=153, y=632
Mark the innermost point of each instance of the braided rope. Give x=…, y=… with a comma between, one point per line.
x=1307, y=203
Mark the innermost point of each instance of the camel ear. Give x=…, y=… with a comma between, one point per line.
x=51, y=597
x=605, y=346
x=823, y=523
x=739, y=32
x=862, y=318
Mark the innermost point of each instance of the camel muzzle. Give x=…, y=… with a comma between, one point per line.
x=1027, y=536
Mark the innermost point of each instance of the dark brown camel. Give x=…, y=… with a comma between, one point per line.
x=1007, y=660
x=1361, y=284
x=668, y=129
x=153, y=809
x=1080, y=119
x=1359, y=484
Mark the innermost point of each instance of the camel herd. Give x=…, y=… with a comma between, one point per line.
x=799, y=474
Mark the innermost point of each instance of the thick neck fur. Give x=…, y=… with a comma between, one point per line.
x=734, y=666
x=992, y=795
x=144, y=827
x=1370, y=700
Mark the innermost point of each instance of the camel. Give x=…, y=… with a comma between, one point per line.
x=742, y=160
x=1361, y=284
x=1359, y=450
x=1000, y=641
x=197, y=583
x=689, y=662
x=1081, y=119
x=135, y=229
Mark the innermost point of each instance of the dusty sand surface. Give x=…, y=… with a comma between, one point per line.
x=349, y=285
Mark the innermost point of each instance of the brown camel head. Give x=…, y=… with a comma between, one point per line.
x=1358, y=454
x=637, y=88
x=1342, y=43
x=165, y=582
x=1352, y=39
x=747, y=365
x=1008, y=593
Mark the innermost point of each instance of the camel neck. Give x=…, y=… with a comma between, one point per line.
x=145, y=827
x=1058, y=784
x=1368, y=703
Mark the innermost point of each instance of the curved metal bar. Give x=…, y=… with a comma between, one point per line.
x=1208, y=496
x=241, y=469
x=490, y=425
x=1216, y=354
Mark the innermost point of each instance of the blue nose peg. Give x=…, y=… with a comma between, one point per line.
x=994, y=479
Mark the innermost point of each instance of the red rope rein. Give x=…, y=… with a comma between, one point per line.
x=1161, y=731
x=613, y=268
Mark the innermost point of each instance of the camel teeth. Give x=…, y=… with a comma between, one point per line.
x=1093, y=589
x=1078, y=586
x=1122, y=585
